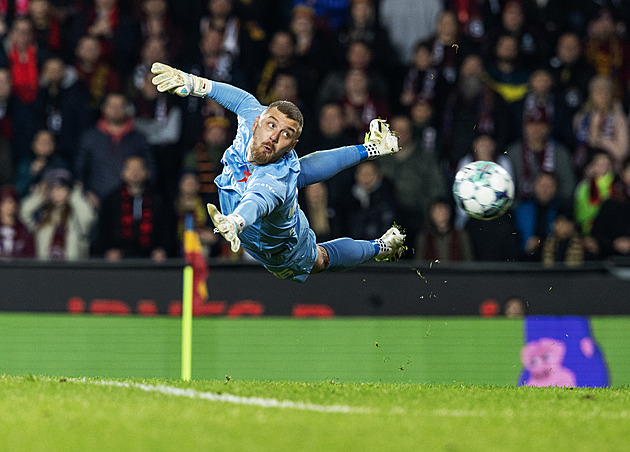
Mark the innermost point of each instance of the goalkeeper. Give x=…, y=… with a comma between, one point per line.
x=261, y=176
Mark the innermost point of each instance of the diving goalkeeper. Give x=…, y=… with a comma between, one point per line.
x=258, y=189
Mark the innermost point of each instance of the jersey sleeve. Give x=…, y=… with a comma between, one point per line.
x=234, y=99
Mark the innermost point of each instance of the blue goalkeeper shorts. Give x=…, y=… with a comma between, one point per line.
x=299, y=261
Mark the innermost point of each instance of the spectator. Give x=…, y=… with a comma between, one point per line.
x=472, y=108
x=313, y=49
x=155, y=23
x=8, y=12
x=611, y=228
x=153, y=49
x=243, y=37
x=539, y=152
x=359, y=105
x=571, y=74
x=373, y=201
x=408, y=22
x=190, y=202
x=448, y=47
x=59, y=217
x=63, y=106
x=104, y=148
x=358, y=57
x=205, y=156
x=47, y=27
x=116, y=31
x=541, y=96
x=439, y=239
x=134, y=221
x=422, y=81
x=7, y=105
x=332, y=131
x=217, y=63
x=470, y=20
x=15, y=239
x=332, y=134
x=97, y=74
x=43, y=158
x=504, y=73
x=6, y=129
x=363, y=26
x=608, y=51
x=424, y=128
x=286, y=87
x=593, y=190
x=159, y=118
x=532, y=47
x=281, y=60
x=535, y=216
x=315, y=205
x=563, y=244
x=416, y=177
x=22, y=57
x=601, y=124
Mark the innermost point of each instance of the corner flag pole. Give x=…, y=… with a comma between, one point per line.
x=187, y=299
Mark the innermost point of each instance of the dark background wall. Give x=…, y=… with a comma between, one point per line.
x=390, y=290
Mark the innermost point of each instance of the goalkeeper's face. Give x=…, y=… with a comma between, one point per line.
x=274, y=134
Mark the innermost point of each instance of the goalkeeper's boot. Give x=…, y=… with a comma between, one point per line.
x=391, y=245
x=380, y=140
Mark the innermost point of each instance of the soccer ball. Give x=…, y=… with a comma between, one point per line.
x=483, y=189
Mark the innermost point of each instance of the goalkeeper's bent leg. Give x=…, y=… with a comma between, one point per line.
x=345, y=253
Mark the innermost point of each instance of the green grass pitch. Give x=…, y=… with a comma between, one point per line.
x=63, y=414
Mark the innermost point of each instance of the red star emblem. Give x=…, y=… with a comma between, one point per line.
x=246, y=173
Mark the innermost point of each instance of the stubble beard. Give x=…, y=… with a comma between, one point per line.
x=256, y=154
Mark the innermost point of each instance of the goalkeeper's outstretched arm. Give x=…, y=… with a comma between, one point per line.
x=175, y=81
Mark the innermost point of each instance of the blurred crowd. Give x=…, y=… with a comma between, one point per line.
x=94, y=162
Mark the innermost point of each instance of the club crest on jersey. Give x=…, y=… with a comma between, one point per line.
x=246, y=175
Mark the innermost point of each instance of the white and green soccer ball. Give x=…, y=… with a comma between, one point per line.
x=484, y=190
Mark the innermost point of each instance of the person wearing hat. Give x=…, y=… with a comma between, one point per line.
x=537, y=152
x=15, y=239
x=59, y=216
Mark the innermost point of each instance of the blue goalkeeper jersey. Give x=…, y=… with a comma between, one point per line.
x=265, y=196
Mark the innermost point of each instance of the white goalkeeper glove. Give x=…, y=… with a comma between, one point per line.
x=380, y=140
x=179, y=82
x=230, y=226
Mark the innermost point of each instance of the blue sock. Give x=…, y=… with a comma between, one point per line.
x=345, y=253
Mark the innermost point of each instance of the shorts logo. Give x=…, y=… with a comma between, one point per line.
x=284, y=274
